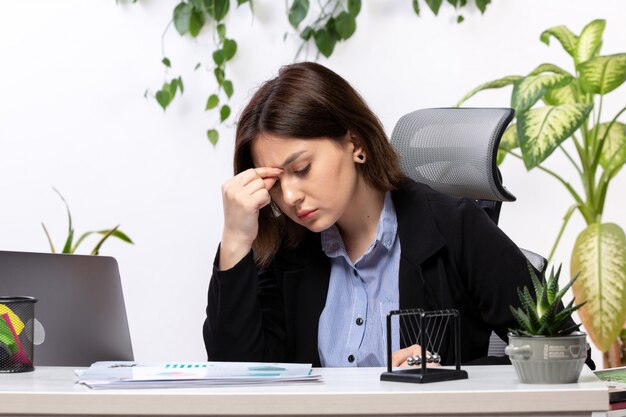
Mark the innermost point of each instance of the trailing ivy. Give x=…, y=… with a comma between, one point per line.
x=190, y=17
x=332, y=22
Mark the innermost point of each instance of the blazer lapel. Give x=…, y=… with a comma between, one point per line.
x=306, y=277
x=419, y=240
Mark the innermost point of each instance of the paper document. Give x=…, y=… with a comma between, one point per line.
x=103, y=375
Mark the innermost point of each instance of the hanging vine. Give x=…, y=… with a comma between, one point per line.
x=332, y=21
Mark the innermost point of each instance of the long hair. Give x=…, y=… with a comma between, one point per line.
x=307, y=100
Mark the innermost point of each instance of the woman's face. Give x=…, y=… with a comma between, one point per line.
x=318, y=181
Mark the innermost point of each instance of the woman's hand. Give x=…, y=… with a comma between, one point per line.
x=243, y=196
x=400, y=357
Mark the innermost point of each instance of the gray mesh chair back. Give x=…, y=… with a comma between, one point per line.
x=453, y=150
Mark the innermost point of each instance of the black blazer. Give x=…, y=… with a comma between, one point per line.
x=452, y=256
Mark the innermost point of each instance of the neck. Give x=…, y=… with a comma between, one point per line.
x=359, y=223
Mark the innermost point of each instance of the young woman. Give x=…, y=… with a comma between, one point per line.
x=324, y=235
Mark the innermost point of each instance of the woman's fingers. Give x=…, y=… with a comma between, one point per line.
x=407, y=356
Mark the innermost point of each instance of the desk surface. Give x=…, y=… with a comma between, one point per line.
x=489, y=389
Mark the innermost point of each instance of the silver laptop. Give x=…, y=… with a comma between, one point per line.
x=80, y=305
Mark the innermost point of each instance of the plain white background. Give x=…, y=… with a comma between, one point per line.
x=73, y=116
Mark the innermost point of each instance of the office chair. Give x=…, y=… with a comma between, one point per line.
x=454, y=150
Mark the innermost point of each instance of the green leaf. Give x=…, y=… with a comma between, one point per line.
x=354, y=7
x=213, y=136
x=229, y=48
x=228, y=88
x=217, y=9
x=600, y=256
x=240, y=2
x=528, y=90
x=219, y=75
x=345, y=25
x=307, y=33
x=568, y=40
x=521, y=318
x=224, y=112
x=603, y=74
x=166, y=62
x=96, y=250
x=508, y=142
x=549, y=68
x=482, y=5
x=221, y=31
x=163, y=98
x=540, y=131
x=613, y=154
x=180, y=84
x=196, y=21
x=298, y=11
x=198, y=65
x=116, y=232
x=562, y=95
x=182, y=15
x=499, y=83
x=434, y=5
x=416, y=7
x=218, y=57
x=70, y=229
x=590, y=41
x=212, y=102
x=325, y=42
x=460, y=19
x=48, y=237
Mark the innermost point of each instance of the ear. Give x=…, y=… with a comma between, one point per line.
x=358, y=152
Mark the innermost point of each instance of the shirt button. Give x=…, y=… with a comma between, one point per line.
x=351, y=358
x=359, y=321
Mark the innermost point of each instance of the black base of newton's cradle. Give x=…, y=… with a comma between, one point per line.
x=416, y=376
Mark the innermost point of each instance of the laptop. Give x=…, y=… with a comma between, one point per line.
x=79, y=304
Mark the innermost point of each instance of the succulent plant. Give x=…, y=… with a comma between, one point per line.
x=544, y=314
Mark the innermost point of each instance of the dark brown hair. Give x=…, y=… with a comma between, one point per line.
x=307, y=100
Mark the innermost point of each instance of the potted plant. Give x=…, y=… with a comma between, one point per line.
x=547, y=348
x=70, y=246
x=559, y=110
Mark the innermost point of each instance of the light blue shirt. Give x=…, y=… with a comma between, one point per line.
x=352, y=327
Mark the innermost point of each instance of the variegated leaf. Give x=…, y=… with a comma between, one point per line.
x=603, y=74
x=563, y=95
x=527, y=91
x=549, y=68
x=540, y=131
x=589, y=41
x=613, y=153
x=508, y=142
x=600, y=257
x=499, y=83
x=568, y=40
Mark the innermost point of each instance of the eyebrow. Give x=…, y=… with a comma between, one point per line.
x=292, y=158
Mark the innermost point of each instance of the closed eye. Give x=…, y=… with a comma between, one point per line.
x=302, y=172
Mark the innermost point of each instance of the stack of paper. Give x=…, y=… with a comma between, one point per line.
x=103, y=375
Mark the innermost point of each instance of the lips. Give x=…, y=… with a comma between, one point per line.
x=305, y=214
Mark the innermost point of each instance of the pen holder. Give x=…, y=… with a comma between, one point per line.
x=16, y=333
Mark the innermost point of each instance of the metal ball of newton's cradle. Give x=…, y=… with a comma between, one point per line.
x=417, y=360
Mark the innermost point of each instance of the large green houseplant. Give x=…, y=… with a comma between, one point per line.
x=559, y=110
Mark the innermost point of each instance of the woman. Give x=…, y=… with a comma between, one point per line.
x=324, y=235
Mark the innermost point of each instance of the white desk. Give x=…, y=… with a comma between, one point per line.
x=489, y=390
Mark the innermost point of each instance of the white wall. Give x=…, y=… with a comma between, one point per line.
x=73, y=116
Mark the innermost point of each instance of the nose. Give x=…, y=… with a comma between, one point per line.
x=292, y=194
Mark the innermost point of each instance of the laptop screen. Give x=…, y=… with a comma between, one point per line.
x=79, y=304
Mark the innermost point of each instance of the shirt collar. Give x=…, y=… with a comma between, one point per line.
x=386, y=231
